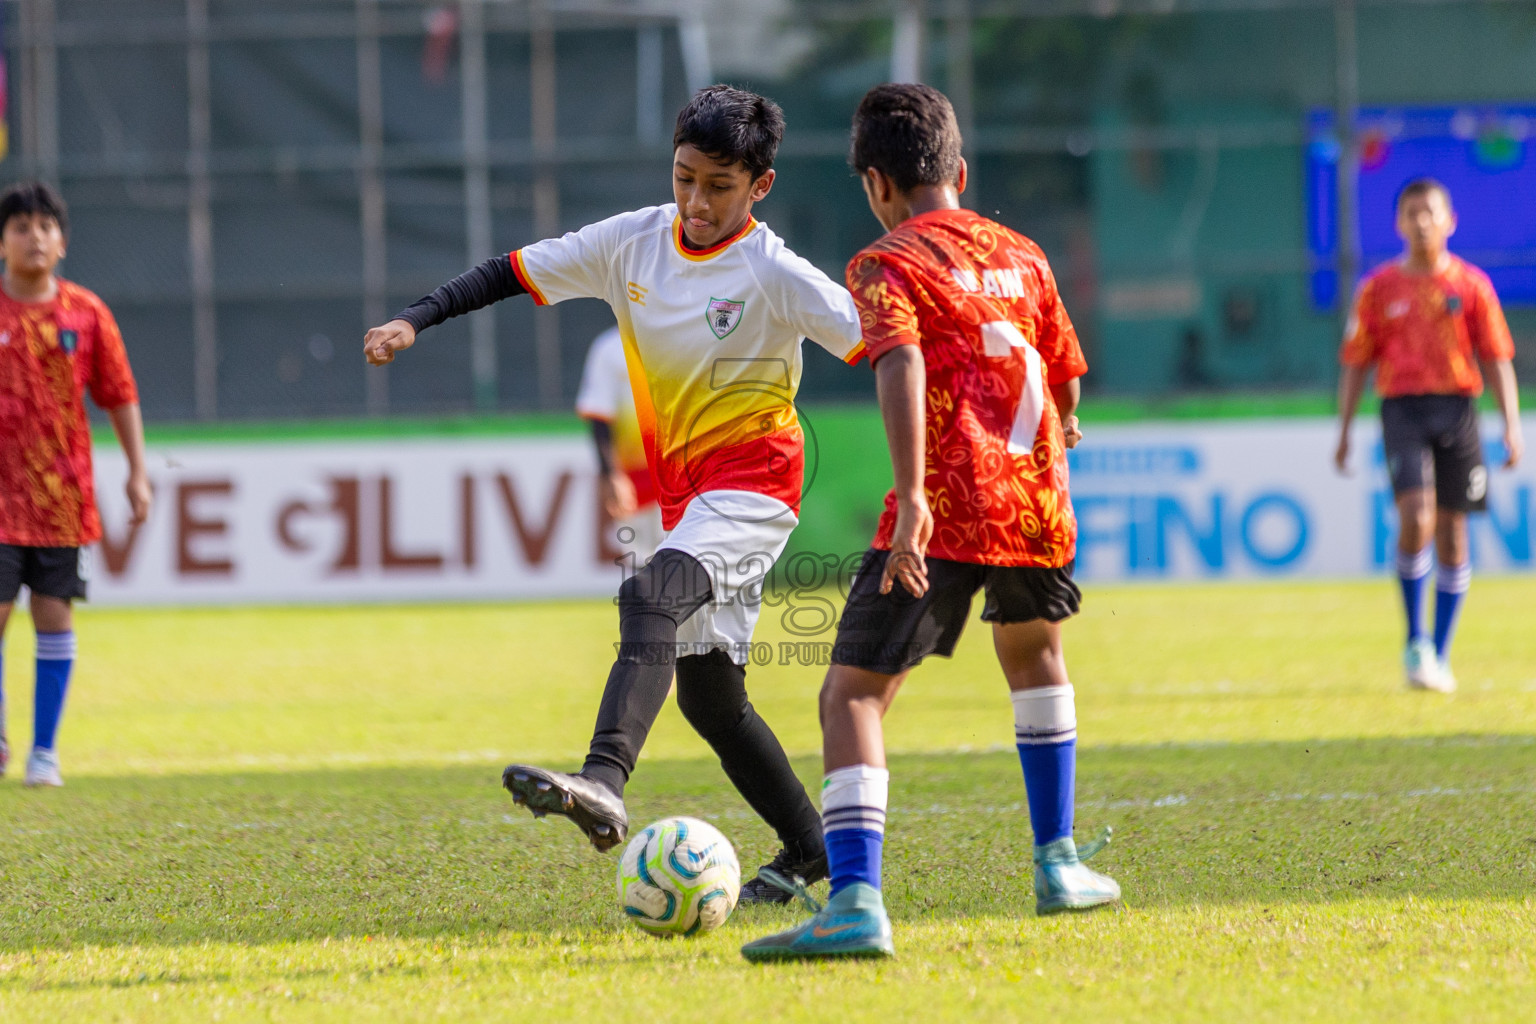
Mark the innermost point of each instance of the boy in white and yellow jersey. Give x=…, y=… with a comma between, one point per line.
x=712, y=308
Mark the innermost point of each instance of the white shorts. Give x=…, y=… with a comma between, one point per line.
x=737, y=536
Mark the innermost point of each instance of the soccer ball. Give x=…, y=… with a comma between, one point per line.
x=679, y=876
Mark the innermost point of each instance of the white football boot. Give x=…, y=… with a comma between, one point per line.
x=43, y=769
x=1424, y=669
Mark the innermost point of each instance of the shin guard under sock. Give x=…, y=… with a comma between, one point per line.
x=1045, y=729
x=853, y=804
x=1413, y=578
x=55, y=659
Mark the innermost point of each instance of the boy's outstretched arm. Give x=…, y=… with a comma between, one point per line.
x=474, y=289
x=128, y=424
x=901, y=382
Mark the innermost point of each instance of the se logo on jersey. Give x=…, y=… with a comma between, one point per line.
x=723, y=316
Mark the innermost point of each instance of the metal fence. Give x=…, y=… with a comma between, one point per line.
x=253, y=182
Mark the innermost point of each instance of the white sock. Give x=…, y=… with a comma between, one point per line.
x=1045, y=714
x=855, y=797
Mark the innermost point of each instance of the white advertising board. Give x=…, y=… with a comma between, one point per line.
x=363, y=521
x=395, y=520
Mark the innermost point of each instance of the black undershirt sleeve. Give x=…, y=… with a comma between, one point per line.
x=602, y=440
x=474, y=289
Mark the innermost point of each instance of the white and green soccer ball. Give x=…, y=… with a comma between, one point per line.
x=679, y=876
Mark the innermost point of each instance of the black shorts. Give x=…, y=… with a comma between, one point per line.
x=52, y=572
x=889, y=633
x=1434, y=441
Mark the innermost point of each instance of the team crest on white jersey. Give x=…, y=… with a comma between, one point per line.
x=723, y=316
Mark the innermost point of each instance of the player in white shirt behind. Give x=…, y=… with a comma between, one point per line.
x=626, y=489
x=711, y=309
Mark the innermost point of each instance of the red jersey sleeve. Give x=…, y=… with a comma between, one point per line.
x=111, y=380
x=1057, y=341
x=1361, y=344
x=1491, y=339
x=887, y=309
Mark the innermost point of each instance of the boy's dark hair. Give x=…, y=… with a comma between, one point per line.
x=1423, y=187
x=732, y=126
x=908, y=132
x=27, y=197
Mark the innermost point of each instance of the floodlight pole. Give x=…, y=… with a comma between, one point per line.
x=38, y=88
x=650, y=69
x=370, y=192
x=477, y=192
x=907, y=42
x=546, y=191
x=205, y=323
x=961, y=77
x=693, y=37
x=1346, y=114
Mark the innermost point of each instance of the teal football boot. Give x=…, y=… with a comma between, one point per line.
x=852, y=924
x=1425, y=670
x=1063, y=882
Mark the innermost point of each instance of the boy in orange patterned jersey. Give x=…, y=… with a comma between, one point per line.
x=977, y=368
x=57, y=341
x=1425, y=321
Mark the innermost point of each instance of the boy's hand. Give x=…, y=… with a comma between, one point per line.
x=140, y=496
x=1514, y=444
x=617, y=493
x=381, y=343
x=1341, y=455
x=909, y=548
x=1071, y=432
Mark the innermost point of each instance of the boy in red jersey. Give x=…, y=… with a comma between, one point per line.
x=57, y=341
x=1425, y=321
x=977, y=368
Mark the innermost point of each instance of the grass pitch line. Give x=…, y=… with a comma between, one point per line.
x=492, y=760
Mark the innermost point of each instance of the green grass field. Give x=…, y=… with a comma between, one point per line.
x=294, y=815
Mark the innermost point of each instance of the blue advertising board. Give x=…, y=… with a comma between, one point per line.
x=1481, y=154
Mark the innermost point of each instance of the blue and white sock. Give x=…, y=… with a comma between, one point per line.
x=55, y=659
x=1413, y=575
x=1045, y=727
x=1451, y=585
x=853, y=803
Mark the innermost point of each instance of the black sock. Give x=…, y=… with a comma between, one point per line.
x=712, y=694
x=652, y=604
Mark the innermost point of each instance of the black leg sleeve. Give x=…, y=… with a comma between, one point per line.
x=652, y=604
x=712, y=694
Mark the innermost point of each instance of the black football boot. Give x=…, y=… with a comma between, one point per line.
x=596, y=810
x=761, y=890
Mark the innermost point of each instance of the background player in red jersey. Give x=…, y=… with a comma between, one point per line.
x=977, y=369
x=1424, y=322
x=57, y=341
